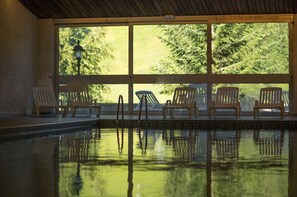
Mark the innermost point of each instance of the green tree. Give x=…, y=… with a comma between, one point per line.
x=96, y=50
x=240, y=48
x=188, y=49
x=250, y=48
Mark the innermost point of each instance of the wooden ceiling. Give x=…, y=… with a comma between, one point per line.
x=60, y=9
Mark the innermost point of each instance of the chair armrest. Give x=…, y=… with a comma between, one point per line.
x=256, y=103
x=212, y=104
x=282, y=103
x=168, y=102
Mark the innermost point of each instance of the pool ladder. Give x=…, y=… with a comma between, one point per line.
x=120, y=103
x=121, y=107
x=143, y=99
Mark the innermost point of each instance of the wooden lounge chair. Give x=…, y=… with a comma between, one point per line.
x=152, y=101
x=270, y=98
x=183, y=98
x=44, y=97
x=78, y=97
x=226, y=98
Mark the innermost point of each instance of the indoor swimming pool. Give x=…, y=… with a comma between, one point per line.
x=120, y=162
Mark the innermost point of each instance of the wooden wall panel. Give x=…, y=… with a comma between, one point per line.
x=140, y=8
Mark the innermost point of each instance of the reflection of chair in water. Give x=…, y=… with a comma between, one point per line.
x=77, y=148
x=270, y=98
x=152, y=101
x=227, y=143
x=44, y=97
x=269, y=143
x=226, y=98
x=183, y=98
x=78, y=96
x=187, y=145
x=201, y=97
x=45, y=146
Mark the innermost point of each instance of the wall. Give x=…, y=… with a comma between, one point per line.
x=46, y=53
x=18, y=56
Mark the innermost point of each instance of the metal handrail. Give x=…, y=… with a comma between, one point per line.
x=120, y=101
x=143, y=98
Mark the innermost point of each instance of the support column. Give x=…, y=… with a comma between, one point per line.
x=293, y=65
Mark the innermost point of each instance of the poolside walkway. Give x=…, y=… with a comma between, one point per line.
x=19, y=126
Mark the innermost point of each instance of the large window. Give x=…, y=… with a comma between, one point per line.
x=125, y=58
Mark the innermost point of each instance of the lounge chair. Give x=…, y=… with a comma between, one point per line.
x=183, y=98
x=78, y=97
x=226, y=98
x=152, y=101
x=44, y=97
x=270, y=98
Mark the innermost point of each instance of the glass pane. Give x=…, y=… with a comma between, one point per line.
x=106, y=50
x=108, y=95
x=170, y=49
x=250, y=48
x=249, y=93
x=157, y=95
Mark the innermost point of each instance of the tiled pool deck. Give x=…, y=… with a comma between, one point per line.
x=20, y=126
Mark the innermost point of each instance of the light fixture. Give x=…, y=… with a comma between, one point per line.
x=169, y=17
x=78, y=53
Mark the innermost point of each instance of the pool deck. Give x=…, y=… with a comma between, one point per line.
x=20, y=126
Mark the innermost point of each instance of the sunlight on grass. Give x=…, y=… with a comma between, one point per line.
x=148, y=48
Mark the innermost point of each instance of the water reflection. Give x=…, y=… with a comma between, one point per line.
x=145, y=162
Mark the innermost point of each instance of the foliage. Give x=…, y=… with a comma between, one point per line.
x=188, y=49
x=241, y=48
x=96, y=50
x=250, y=48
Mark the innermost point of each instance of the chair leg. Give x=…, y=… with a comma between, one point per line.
x=195, y=112
x=64, y=111
x=98, y=111
x=73, y=111
x=90, y=112
x=37, y=111
x=190, y=112
x=164, y=113
x=282, y=113
x=209, y=113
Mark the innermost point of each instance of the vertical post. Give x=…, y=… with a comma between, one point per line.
x=130, y=72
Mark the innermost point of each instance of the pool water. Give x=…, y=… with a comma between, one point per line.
x=151, y=163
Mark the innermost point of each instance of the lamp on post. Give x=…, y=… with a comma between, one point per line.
x=78, y=52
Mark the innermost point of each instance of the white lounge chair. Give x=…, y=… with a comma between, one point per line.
x=152, y=101
x=44, y=97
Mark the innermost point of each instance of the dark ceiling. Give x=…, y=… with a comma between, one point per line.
x=59, y=9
